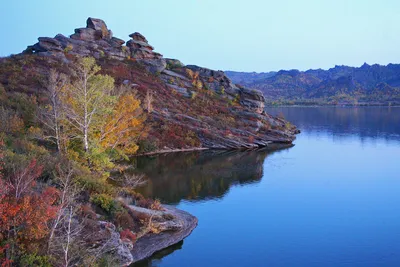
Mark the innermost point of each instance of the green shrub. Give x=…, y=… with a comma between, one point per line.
x=68, y=48
x=94, y=185
x=34, y=260
x=146, y=146
x=106, y=202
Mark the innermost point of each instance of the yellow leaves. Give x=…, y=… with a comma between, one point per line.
x=123, y=125
x=190, y=73
x=16, y=124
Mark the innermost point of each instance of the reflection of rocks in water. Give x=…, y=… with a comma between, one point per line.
x=198, y=175
x=158, y=256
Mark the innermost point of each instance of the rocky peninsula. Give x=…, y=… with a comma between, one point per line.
x=165, y=106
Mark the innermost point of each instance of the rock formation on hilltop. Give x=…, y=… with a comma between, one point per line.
x=192, y=106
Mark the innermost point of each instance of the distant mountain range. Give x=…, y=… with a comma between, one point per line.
x=368, y=84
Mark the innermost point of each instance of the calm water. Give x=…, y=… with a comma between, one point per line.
x=331, y=200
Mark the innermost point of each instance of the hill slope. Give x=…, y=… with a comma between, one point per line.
x=368, y=84
x=191, y=106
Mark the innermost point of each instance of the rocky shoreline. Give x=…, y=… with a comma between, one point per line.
x=152, y=243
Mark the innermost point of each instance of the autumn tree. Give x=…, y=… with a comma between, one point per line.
x=24, y=212
x=123, y=125
x=87, y=100
x=52, y=114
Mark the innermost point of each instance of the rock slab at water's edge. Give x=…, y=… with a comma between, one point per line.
x=151, y=243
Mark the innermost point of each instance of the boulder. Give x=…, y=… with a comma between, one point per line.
x=140, y=48
x=86, y=34
x=49, y=43
x=180, y=227
x=116, y=42
x=100, y=27
x=252, y=99
x=154, y=65
x=138, y=37
x=139, y=44
x=112, y=243
x=216, y=80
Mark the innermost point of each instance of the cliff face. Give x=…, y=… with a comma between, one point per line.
x=192, y=106
x=368, y=83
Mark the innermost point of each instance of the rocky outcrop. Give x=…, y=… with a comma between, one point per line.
x=97, y=40
x=216, y=80
x=215, y=112
x=172, y=226
x=252, y=99
x=110, y=242
x=140, y=47
x=173, y=231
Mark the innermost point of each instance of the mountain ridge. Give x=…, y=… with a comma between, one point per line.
x=367, y=84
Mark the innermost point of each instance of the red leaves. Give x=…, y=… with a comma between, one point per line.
x=4, y=262
x=24, y=212
x=127, y=234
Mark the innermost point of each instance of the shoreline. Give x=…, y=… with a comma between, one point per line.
x=272, y=145
x=150, y=243
x=165, y=151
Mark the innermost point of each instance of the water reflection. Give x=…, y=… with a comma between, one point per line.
x=156, y=259
x=332, y=200
x=341, y=122
x=199, y=175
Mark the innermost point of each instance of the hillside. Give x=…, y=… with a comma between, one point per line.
x=191, y=106
x=368, y=84
x=74, y=113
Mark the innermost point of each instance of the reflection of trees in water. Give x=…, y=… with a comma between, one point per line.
x=364, y=122
x=198, y=175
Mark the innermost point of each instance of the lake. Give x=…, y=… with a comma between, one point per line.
x=331, y=200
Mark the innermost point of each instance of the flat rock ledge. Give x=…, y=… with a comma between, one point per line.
x=152, y=243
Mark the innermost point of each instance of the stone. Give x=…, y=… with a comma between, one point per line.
x=139, y=44
x=154, y=65
x=86, y=34
x=175, y=75
x=100, y=27
x=216, y=80
x=181, y=90
x=113, y=243
x=46, y=44
x=252, y=99
x=151, y=243
x=116, y=42
x=138, y=37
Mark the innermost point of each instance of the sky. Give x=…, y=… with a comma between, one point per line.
x=240, y=35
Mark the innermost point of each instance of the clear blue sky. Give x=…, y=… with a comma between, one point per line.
x=243, y=35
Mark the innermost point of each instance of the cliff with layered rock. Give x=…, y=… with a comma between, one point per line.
x=190, y=107
x=368, y=84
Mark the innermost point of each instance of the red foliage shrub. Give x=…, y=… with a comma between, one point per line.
x=127, y=234
x=124, y=220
